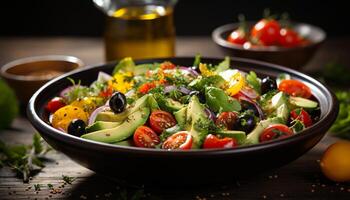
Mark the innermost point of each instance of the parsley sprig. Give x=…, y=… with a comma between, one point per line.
x=25, y=160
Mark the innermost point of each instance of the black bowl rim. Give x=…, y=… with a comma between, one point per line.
x=216, y=37
x=48, y=130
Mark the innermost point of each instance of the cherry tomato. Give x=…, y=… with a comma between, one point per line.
x=295, y=88
x=167, y=65
x=275, y=131
x=266, y=32
x=227, y=120
x=237, y=37
x=145, y=137
x=144, y=88
x=55, y=104
x=211, y=141
x=301, y=115
x=180, y=140
x=289, y=38
x=161, y=120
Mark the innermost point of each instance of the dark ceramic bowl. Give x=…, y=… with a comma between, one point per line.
x=294, y=57
x=169, y=167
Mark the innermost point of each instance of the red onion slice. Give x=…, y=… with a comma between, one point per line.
x=190, y=71
x=261, y=113
x=210, y=114
x=94, y=114
x=67, y=90
x=169, y=88
x=184, y=90
x=249, y=92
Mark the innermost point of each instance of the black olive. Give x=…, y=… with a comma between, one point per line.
x=246, y=123
x=268, y=84
x=118, y=102
x=76, y=127
x=246, y=105
x=200, y=95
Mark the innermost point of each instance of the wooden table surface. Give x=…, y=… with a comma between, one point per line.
x=300, y=179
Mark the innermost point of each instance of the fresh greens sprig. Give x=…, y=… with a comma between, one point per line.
x=25, y=160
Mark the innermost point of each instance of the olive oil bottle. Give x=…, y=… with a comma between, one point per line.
x=140, y=32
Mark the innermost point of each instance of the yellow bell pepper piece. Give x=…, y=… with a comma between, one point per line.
x=205, y=71
x=235, y=84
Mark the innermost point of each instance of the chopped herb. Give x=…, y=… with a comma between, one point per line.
x=68, y=179
x=37, y=187
x=25, y=160
x=50, y=186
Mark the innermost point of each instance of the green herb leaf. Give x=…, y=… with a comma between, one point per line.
x=26, y=160
x=218, y=101
x=68, y=179
x=253, y=81
x=197, y=60
x=224, y=65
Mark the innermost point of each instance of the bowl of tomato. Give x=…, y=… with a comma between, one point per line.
x=150, y=152
x=291, y=45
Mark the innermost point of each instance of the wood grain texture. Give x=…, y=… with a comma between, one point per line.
x=300, y=179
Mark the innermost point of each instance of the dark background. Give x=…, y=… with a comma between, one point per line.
x=192, y=17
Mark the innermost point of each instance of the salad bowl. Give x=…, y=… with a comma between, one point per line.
x=159, y=166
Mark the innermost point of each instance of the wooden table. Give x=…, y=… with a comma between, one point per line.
x=300, y=179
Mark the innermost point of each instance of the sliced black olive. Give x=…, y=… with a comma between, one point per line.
x=118, y=102
x=268, y=84
x=200, y=95
x=76, y=127
x=246, y=105
x=246, y=122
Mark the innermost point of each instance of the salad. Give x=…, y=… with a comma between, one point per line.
x=169, y=106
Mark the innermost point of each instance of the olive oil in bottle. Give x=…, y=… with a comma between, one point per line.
x=140, y=32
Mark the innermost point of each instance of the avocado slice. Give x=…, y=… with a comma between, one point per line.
x=253, y=137
x=240, y=136
x=144, y=101
x=180, y=117
x=173, y=105
x=302, y=102
x=283, y=112
x=123, y=131
x=276, y=101
x=197, y=120
x=101, y=125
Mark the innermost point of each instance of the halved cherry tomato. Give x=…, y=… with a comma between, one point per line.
x=145, y=137
x=275, y=131
x=180, y=140
x=55, y=104
x=211, y=141
x=144, y=88
x=227, y=120
x=266, y=32
x=237, y=37
x=302, y=115
x=289, y=38
x=295, y=88
x=161, y=120
x=167, y=65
